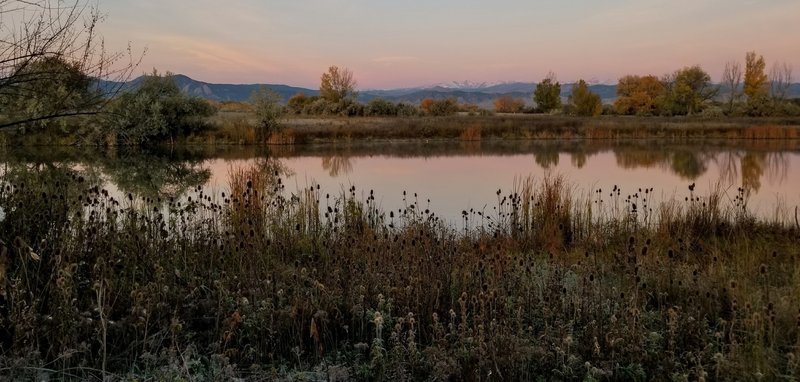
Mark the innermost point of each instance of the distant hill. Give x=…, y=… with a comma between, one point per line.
x=218, y=92
x=232, y=92
x=480, y=94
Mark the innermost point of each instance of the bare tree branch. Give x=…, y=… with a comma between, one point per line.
x=33, y=33
x=780, y=78
x=732, y=79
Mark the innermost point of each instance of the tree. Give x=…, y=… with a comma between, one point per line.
x=639, y=95
x=157, y=109
x=268, y=111
x=780, y=78
x=298, y=102
x=547, y=95
x=584, y=101
x=688, y=90
x=442, y=107
x=54, y=34
x=755, y=79
x=508, y=104
x=337, y=85
x=732, y=79
x=53, y=85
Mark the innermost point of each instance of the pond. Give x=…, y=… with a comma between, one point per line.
x=450, y=177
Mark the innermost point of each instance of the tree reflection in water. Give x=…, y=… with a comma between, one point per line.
x=148, y=174
x=687, y=164
x=155, y=176
x=337, y=165
x=578, y=158
x=749, y=168
x=742, y=167
x=547, y=157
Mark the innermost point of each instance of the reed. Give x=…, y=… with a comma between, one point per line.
x=264, y=283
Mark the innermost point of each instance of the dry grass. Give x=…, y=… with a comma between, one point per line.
x=469, y=128
x=471, y=134
x=265, y=283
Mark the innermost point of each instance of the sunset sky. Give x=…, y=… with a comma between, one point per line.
x=391, y=44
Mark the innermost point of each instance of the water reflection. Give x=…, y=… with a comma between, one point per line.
x=579, y=159
x=456, y=172
x=746, y=168
x=154, y=174
x=337, y=164
x=547, y=158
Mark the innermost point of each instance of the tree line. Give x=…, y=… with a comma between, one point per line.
x=748, y=92
x=55, y=74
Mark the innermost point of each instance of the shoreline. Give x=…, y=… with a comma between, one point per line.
x=238, y=128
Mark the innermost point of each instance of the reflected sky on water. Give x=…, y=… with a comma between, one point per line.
x=454, y=176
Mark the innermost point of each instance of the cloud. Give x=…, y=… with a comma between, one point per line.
x=390, y=60
x=211, y=55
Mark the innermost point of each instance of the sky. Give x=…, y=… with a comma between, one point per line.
x=391, y=44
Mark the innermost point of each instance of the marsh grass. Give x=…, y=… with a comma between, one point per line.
x=264, y=283
x=234, y=128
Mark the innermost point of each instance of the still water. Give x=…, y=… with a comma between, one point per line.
x=449, y=177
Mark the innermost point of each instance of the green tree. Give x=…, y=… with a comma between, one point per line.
x=584, y=101
x=547, y=95
x=337, y=85
x=52, y=45
x=54, y=87
x=156, y=110
x=268, y=111
x=688, y=91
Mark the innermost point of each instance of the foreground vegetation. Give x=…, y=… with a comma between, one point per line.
x=260, y=282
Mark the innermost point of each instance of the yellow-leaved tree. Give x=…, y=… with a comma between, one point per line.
x=755, y=78
x=337, y=84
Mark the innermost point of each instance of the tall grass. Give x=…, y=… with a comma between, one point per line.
x=265, y=282
x=232, y=127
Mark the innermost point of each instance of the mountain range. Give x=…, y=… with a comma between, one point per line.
x=482, y=94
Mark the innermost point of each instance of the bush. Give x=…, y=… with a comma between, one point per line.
x=406, y=110
x=157, y=110
x=298, y=102
x=349, y=108
x=508, y=104
x=317, y=106
x=443, y=107
x=380, y=107
x=268, y=112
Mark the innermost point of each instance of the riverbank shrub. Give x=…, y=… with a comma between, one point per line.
x=157, y=110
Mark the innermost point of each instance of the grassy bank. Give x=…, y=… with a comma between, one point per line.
x=237, y=128
x=267, y=283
